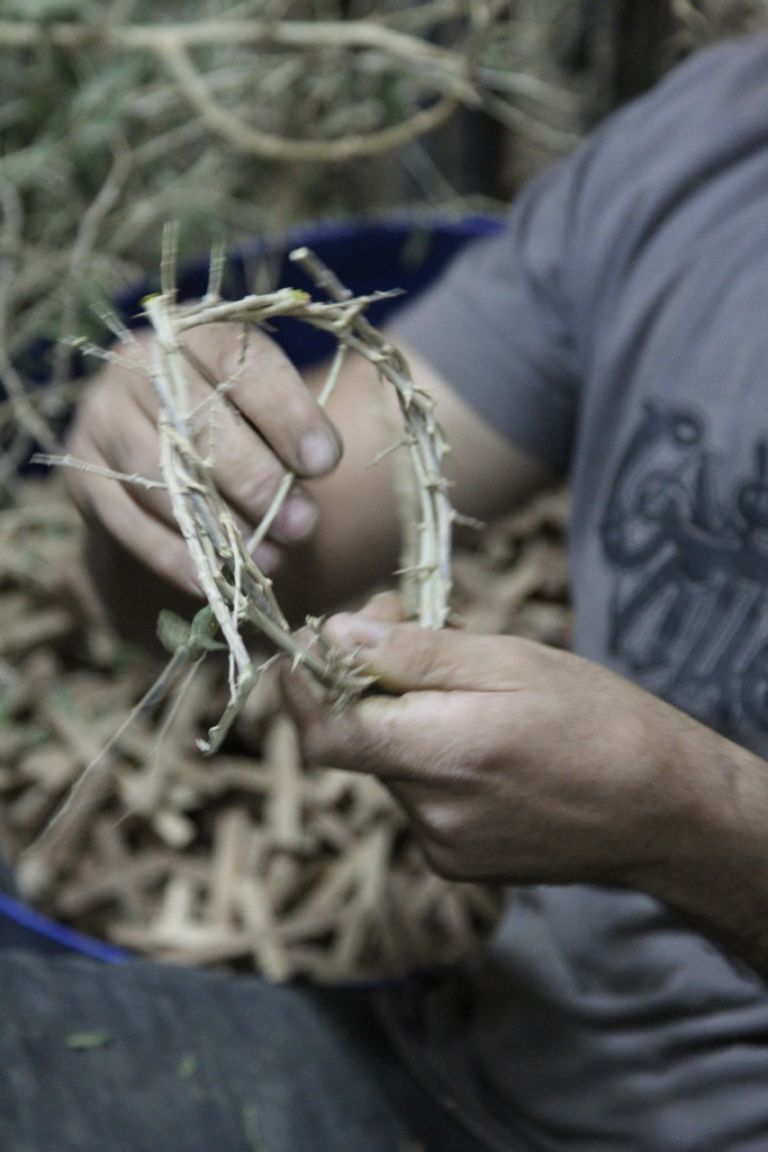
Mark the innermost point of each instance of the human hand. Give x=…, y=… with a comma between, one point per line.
x=514, y=762
x=271, y=424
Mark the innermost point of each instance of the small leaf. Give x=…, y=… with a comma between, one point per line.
x=202, y=634
x=187, y=1066
x=173, y=631
x=85, y=1041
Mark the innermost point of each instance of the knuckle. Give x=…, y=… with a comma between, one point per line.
x=442, y=832
x=442, y=861
x=424, y=657
x=442, y=826
x=252, y=481
x=316, y=746
x=255, y=352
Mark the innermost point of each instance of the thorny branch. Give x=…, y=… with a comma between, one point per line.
x=204, y=519
x=238, y=594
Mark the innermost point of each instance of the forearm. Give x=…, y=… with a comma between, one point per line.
x=713, y=864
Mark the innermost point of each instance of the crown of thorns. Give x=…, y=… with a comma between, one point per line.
x=237, y=592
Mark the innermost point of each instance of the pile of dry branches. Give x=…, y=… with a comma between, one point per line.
x=245, y=857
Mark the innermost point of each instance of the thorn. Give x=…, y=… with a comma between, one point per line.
x=467, y=521
x=406, y=443
x=422, y=570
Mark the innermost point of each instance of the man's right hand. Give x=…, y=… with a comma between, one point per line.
x=272, y=424
x=268, y=424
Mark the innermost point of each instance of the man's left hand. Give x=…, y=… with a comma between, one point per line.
x=514, y=762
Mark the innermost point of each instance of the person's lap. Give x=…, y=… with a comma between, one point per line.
x=198, y=1060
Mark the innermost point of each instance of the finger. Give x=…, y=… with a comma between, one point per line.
x=143, y=535
x=125, y=434
x=420, y=736
x=271, y=394
x=135, y=449
x=127, y=442
x=304, y=698
x=248, y=475
x=263, y=385
x=384, y=606
x=406, y=657
x=398, y=739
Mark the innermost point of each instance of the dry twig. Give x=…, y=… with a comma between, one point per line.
x=237, y=592
x=249, y=858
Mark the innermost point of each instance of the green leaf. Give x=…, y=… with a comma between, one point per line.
x=85, y=1041
x=173, y=632
x=202, y=634
x=187, y=1067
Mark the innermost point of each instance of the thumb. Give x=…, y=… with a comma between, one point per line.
x=406, y=657
x=384, y=606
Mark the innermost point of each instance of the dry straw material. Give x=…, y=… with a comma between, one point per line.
x=245, y=857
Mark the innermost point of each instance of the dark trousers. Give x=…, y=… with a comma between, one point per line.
x=140, y=1057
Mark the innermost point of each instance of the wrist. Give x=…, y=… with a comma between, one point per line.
x=713, y=866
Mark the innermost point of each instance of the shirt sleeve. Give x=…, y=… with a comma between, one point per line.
x=497, y=327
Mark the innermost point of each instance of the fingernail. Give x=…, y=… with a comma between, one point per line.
x=318, y=452
x=350, y=631
x=191, y=583
x=296, y=519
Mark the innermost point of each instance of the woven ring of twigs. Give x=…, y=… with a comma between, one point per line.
x=237, y=592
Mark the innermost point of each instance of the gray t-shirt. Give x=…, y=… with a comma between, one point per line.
x=619, y=327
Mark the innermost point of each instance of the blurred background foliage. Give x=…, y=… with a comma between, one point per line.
x=104, y=137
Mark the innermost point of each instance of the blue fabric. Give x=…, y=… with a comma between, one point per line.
x=23, y=927
x=389, y=254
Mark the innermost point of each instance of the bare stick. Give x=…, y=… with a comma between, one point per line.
x=68, y=461
x=247, y=138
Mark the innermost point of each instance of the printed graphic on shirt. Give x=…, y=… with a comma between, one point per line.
x=689, y=552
